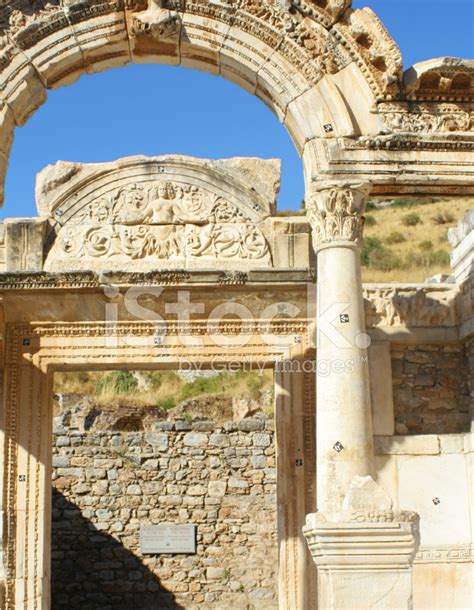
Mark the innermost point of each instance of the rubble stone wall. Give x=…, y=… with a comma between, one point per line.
x=107, y=484
x=431, y=388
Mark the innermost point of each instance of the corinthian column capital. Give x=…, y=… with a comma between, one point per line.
x=335, y=212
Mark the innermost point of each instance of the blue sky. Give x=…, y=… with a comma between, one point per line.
x=152, y=110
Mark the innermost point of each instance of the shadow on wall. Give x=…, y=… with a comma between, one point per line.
x=92, y=571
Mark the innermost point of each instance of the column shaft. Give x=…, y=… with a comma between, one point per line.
x=344, y=426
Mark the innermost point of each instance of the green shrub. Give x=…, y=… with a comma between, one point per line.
x=376, y=256
x=371, y=205
x=444, y=218
x=425, y=246
x=202, y=385
x=370, y=221
x=254, y=384
x=166, y=403
x=119, y=382
x=155, y=380
x=430, y=258
x=411, y=220
x=395, y=237
x=371, y=245
x=386, y=260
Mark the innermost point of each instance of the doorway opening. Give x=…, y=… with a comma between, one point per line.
x=147, y=448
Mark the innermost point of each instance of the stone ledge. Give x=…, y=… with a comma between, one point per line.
x=88, y=279
x=423, y=444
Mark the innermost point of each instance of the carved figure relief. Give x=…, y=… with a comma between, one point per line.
x=395, y=306
x=158, y=21
x=163, y=220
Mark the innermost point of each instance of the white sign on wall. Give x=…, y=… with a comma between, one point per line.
x=156, y=539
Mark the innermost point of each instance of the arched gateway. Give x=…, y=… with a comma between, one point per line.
x=334, y=78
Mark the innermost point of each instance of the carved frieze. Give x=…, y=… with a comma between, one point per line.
x=410, y=306
x=427, y=118
x=164, y=220
x=335, y=212
x=449, y=553
x=147, y=213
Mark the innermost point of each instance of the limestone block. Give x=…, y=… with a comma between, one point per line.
x=217, y=488
x=7, y=129
x=24, y=244
x=201, y=41
x=23, y=91
x=380, y=371
x=319, y=112
x=280, y=81
x=53, y=49
x=195, y=439
x=158, y=439
x=364, y=494
x=437, y=488
x=386, y=468
x=427, y=444
x=359, y=98
x=452, y=443
x=154, y=34
x=102, y=38
x=438, y=586
x=376, y=552
x=292, y=243
x=241, y=57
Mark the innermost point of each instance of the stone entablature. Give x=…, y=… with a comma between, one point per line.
x=147, y=214
x=414, y=305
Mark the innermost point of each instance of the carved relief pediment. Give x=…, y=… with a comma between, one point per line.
x=159, y=213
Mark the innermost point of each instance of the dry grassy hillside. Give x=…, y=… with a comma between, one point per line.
x=407, y=242
x=162, y=389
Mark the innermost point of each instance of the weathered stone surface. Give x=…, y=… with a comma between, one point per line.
x=235, y=519
x=184, y=212
x=430, y=389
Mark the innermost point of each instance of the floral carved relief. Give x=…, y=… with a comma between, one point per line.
x=335, y=212
x=163, y=220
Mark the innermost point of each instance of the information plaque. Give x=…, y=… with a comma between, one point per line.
x=156, y=539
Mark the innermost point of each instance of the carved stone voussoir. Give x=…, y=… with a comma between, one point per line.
x=335, y=212
x=157, y=20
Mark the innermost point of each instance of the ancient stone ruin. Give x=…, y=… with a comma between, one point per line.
x=358, y=494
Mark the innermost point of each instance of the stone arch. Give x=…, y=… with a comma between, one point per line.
x=307, y=60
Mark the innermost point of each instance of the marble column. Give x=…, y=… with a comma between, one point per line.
x=363, y=549
x=344, y=426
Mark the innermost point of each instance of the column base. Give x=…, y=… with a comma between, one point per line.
x=364, y=560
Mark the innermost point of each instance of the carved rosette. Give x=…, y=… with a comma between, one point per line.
x=335, y=212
